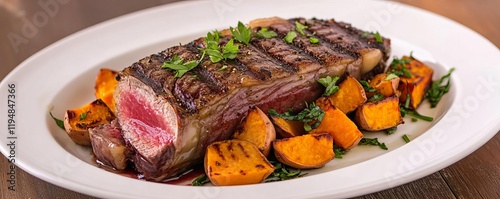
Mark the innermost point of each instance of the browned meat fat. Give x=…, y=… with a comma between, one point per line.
x=168, y=122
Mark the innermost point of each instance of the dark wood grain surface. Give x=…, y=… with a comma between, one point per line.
x=476, y=176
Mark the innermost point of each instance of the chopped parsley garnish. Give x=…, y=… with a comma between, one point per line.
x=372, y=141
x=376, y=97
x=290, y=36
x=392, y=130
x=59, y=122
x=398, y=67
x=200, y=180
x=177, y=64
x=406, y=138
x=415, y=114
x=329, y=83
x=378, y=38
x=367, y=86
x=83, y=115
x=310, y=114
x=390, y=76
x=300, y=28
x=313, y=40
x=242, y=33
x=214, y=51
x=282, y=172
x=222, y=68
x=437, y=90
x=265, y=33
x=339, y=151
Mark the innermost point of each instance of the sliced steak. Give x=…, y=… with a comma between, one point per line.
x=168, y=122
x=108, y=145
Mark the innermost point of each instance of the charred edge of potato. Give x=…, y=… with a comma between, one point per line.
x=288, y=128
x=105, y=84
x=305, y=152
x=257, y=129
x=343, y=130
x=236, y=162
x=78, y=121
x=380, y=115
x=350, y=95
x=385, y=87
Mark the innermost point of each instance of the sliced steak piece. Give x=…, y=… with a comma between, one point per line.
x=108, y=145
x=168, y=122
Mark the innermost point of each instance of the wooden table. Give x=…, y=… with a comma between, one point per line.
x=476, y=176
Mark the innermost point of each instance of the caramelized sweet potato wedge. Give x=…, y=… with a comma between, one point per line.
x=78, y=121
x=386, y=87
x=379, y=115
x=236, y=162
x=350, y=95
x=257, y=129
x=105, y=84
x=288, y=128
x=305, y=152
x=344, y=132
x=416, y=86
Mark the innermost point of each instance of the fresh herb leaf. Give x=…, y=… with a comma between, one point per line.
x=376, y=97
x=83, y=115
x=390, y=76
x=265, y=33
x=230, y=50
x=59, y=122
x=339, y=151
x=300, y=28
x=406, y=138
x=437, y=90
x=200, y=180
x=282, y=172
x=372, y=141
x=214, y=50
x=311, y=114
x=378, y=38
x=329, y=83
x=181, y=68
x=290, y=36
x=242, y=33
x=313, y=40
x=407, y=101
x=367, y=86
x=222, y=68
x=415, y=114
x=392, y=130
x=398, y=67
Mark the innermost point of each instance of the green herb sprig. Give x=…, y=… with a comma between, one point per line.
x=290, y=36
x=372, y=141
x=214, y=50
x=282, y=172
x=398, y=68
x=177, y=64
x=242, y=33
x=59, y=122
x=311, y=113
x=406, y=138
x=339, y=151
x=437, y=90
x=329, y=83
x=265, y=33
x=200, y=180
x=300, y=28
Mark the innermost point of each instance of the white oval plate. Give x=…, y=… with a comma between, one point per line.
x=61, y=77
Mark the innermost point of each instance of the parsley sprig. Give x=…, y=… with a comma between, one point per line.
x=242, y=33
x=282, y=172
x=437, y=90
x=177, y=64
x=214, y=50
x=265, y=33
x=300, y=27
x=329, y=83
x=372, y=141
x=290, y=36
x=338, y=151
x=398, y=68
x=311, y=114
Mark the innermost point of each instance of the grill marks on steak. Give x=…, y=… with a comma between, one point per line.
x=168, y=122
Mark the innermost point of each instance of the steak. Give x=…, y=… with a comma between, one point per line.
x=168, y=122
x=108, y=145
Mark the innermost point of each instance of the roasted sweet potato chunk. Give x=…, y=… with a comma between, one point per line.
x=416, y=86
x=379, y=115
x=384, y=86
x=350, y=95
x=288, y=128
x=105, y=84
x=344, y=132
x=257, y=129
x=305, y=152
x=78, y=121
x=236, y=162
